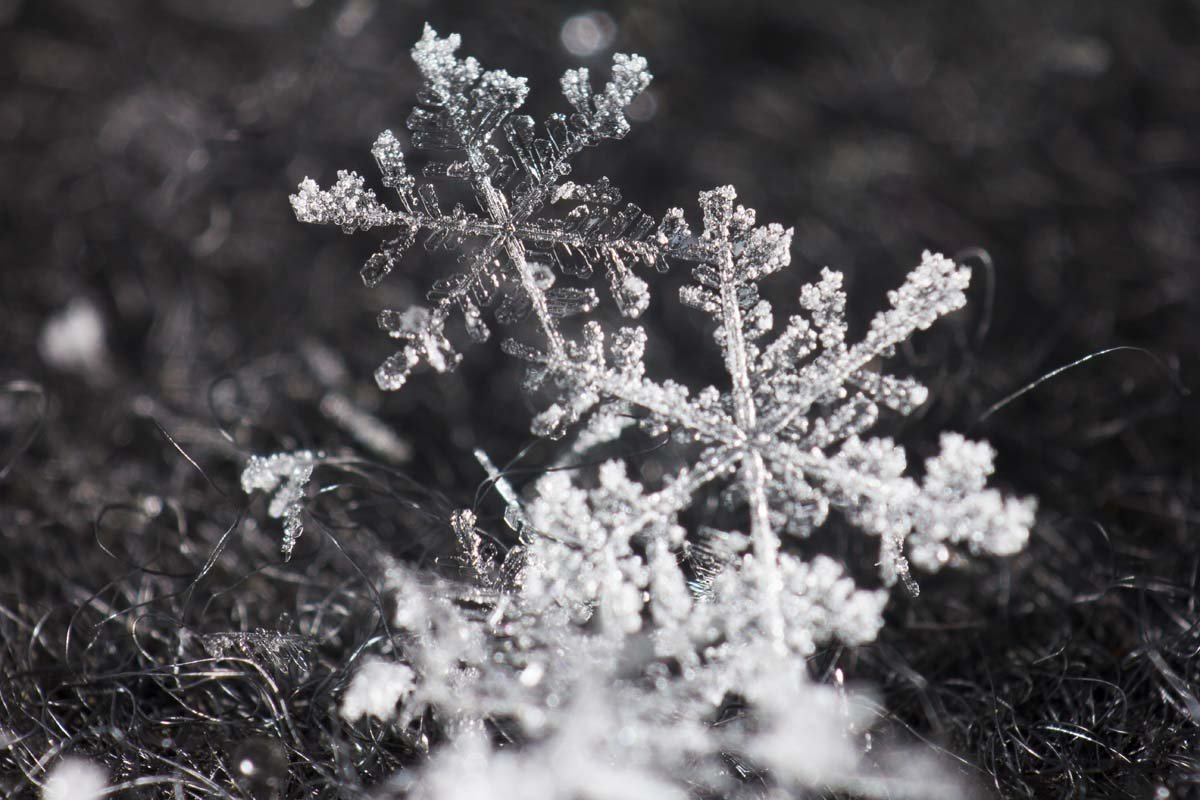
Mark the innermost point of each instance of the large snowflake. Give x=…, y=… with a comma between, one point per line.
x=789, y=424
x=782, y=442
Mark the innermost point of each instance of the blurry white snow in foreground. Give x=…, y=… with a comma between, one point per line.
x=73, y=338
x=75, y=779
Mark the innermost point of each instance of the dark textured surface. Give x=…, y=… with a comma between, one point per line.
x=147, y=150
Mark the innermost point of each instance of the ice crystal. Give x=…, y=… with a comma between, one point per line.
x=516, y=240
x=285, y=475
x=378, y=686
x=370, y=431
x=613, y=627
x=278, y=652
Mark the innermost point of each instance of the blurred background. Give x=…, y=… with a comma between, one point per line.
x=154, y=283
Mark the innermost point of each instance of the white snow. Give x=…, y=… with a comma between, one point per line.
x=72, y=339
x=75, y=778
x=376, y=688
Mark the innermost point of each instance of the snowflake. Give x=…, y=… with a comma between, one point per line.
x=604, y=562
x=787, y=431
x=463, y=107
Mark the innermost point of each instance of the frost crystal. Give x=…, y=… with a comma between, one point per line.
x=286, y=475
x=615, y=628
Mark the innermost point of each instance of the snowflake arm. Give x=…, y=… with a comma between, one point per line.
x=865, y=479
x=935, y=288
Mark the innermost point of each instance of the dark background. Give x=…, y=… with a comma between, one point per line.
x=146, y=153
